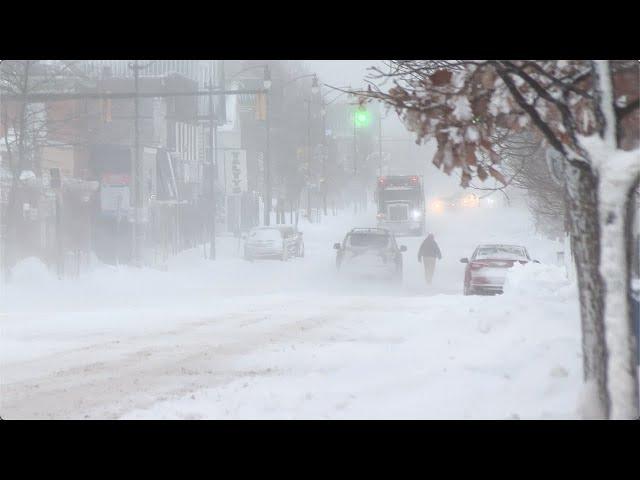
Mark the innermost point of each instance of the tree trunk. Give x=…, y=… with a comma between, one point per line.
x=616, y=225
x=582, y=200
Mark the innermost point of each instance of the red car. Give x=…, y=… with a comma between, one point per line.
x=487, y=269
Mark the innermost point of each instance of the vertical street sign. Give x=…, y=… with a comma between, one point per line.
x=236, y=171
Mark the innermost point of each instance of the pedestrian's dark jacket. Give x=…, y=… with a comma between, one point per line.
x=429, y=248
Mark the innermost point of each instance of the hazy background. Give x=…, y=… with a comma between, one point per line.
x=396, y=139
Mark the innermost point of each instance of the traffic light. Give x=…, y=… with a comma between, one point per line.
x=361, y=117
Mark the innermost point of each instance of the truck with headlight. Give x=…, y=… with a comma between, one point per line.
x=401, y=204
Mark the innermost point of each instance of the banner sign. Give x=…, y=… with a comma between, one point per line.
x=235, y=171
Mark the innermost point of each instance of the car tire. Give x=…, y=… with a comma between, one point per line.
x=468, y=290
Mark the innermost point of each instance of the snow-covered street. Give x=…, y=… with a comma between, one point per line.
x=271, y=339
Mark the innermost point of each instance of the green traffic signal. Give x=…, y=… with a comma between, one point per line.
x=361, y=118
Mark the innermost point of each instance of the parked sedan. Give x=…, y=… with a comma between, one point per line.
x=486, y=271
x=280, y=241
x=371, y=252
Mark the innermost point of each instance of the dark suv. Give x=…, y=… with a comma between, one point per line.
x=370, y=252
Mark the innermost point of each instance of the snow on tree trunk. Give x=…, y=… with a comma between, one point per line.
x=618, y=176
x=618, y=172
x=615, y=270
x=585, y=247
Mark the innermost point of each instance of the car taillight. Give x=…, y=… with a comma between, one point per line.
x=380, y=215
x=478, y=265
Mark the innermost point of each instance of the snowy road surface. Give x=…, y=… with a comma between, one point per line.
x=269, y=339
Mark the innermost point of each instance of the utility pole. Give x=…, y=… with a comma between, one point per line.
x=325, y=154
x=380, y=142
x=267, y=165
x=309, y=160
x=136, y=173
x=213, y=162
x=355, y=163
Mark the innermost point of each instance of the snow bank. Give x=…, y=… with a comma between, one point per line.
x=31, y=273
x=536, y=281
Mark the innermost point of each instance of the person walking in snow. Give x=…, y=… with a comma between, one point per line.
x=427, y=254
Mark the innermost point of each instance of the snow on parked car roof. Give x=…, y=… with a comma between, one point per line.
x=504, y=251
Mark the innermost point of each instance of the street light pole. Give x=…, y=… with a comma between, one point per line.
x=213, y=162
x=315, y=88
x=309, y=160
x=380, y=142
x=267, y=155
x=136, y=172
x=355, y=164
x=325, y=154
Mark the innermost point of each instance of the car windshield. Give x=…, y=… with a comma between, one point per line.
x=370, y=240
x=265, y=234
x=501, y=252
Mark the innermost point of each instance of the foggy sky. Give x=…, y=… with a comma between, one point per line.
x=340, y=73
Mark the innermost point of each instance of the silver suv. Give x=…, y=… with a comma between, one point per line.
x=370, y=252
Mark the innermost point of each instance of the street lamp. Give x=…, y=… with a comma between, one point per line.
x=315, y=88
x=267, y=156
x=323, y=111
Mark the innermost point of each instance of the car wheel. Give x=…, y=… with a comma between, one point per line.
x=468, y=290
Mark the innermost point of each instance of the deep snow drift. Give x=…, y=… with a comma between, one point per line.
x=271, y=339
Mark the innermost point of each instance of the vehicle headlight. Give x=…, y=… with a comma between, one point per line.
x=436, y=206
x=416, y=214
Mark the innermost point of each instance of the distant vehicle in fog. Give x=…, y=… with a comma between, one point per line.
x=370, y=252
x=278, y=241
x=486, y=271
x=457, y=202
x=400, y=200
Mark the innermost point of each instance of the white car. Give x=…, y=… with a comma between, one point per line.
x=279, y=241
